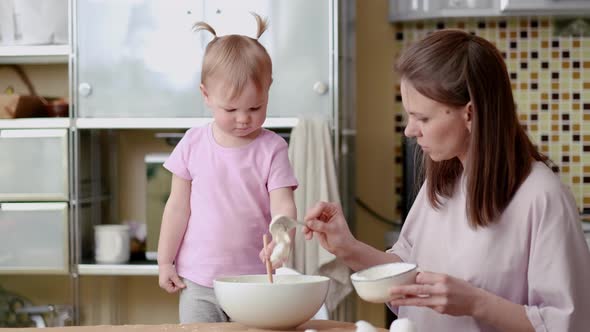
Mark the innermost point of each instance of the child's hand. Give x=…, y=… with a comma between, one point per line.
x=168, y=278
x=264, y=256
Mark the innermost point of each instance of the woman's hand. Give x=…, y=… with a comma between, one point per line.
x=439, y=292
x=327, y=221
x=169, y=279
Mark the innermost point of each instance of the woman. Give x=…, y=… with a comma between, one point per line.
x=494, y=231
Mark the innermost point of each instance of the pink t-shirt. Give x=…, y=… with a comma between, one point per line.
x=536, y=255
x=230, y=202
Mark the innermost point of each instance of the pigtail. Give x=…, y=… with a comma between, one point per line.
x=200, y=26
x=262, y=24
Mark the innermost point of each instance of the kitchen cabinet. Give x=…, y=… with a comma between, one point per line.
x=22, y=179
x=34, y=238
x=134, y=70
x=35, y=174
x=576, y=7
x=403, y=10
x=36, y=247
x=140, y=59
x=410, y=10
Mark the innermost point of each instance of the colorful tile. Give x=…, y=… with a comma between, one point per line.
x=550, y=76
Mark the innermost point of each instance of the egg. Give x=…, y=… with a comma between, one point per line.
x=363, y=326
x=402, y=325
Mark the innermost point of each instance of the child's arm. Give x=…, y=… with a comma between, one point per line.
x=282, y=202
x=174, y=222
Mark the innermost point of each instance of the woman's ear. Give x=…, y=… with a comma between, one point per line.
x=468, y=116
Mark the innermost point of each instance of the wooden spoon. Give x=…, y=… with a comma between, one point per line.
x=268, y=264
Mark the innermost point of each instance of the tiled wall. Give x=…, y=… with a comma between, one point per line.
x=551, y=83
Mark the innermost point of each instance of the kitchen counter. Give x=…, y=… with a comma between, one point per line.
x=319, y=325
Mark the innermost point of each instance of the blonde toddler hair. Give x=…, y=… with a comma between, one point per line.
x=234, y=60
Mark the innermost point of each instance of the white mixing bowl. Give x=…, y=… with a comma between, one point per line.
x=288, y=302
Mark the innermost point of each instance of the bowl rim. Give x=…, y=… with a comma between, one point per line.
x=356, y=274
x=317, y=279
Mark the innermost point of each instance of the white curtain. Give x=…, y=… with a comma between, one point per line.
x=312, y=157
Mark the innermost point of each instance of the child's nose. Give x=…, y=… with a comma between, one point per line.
x=243, y=118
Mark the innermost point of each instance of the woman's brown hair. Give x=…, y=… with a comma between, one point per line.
x=454, y=68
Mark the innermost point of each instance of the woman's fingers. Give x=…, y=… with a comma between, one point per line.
x=308, y=233
x=431, y=278
x=316, y=211
x=316, y=225
x=417, y=290
x=422, y=301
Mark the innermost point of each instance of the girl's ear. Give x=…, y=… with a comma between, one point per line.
x=205, y=93
x=468, y=116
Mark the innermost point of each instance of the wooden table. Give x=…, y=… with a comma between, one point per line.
x=319, y=325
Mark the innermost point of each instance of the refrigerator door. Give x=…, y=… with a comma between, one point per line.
x=141, y=59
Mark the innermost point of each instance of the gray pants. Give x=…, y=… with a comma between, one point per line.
x=198, y=304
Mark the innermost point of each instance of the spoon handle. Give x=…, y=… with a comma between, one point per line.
x=301, y=223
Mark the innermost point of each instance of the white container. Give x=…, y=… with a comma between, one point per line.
x=373, y=284
x=111, y=244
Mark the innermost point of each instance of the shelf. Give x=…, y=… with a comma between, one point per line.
x=462, y=12
x=35, y=123
x=160, y=123
x=34, y=54
x=127, y=123
x=444, y=13
x=118, y=269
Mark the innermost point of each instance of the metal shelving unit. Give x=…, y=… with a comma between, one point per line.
x=37, y=54
x=86, y=136
x=35, y=123
x=165, y=123
x=118, y=269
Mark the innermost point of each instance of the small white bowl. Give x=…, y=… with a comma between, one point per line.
x=285, y=304
x=373, y=284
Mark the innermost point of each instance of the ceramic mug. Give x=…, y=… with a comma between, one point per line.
x=111, y=244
